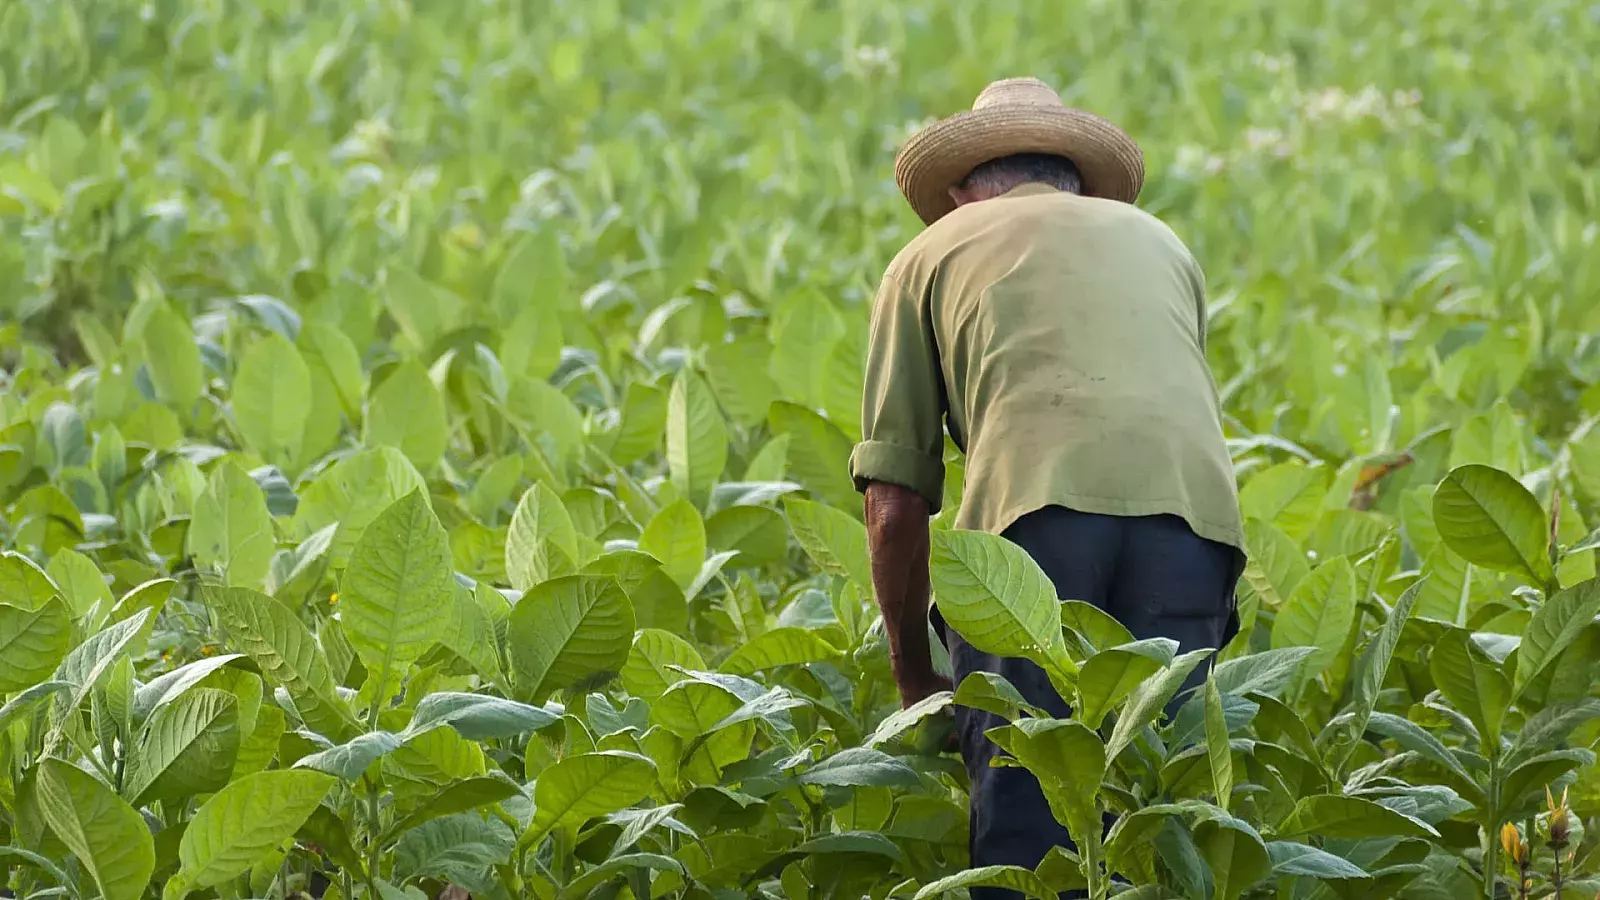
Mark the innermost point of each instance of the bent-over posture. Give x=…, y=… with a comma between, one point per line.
x=1058, y=332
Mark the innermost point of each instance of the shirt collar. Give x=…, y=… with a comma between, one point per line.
x=1030, y=189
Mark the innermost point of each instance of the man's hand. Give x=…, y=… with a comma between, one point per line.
x=897, y=535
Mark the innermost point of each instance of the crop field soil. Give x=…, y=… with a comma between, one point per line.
x=424, y=424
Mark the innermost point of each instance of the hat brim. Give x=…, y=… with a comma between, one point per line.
x=942, y=154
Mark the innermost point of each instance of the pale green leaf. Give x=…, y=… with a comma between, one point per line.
x=32, y=643
x=110, y=839
x=1553, y=628
x=272, y=635
x=398, y=590
x=242, y=822
x=1491, y=520
x=581, y=787
x=172, y=358
x=697, y=437
x=835, y=541
x=646, y=672
x=541, y=543
x=188, y=747
x=80, y=581
x=998, y=599
x=785, y=646
x=676, y=536
x=232, y=530
x=407, y=412
x=1319, y=613
x=272, y=398
x=567, y=632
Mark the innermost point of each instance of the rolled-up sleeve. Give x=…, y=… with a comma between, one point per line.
x=902, y=402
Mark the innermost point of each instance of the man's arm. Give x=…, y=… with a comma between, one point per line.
x=899, y=465
x=897, y=535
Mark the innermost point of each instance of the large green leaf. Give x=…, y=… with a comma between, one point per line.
x=541, y=544
x=232, y=529
x=80, y=582
x=1290, y=858
x=424, y=311
x=646, y=672
x=22, y=583
x=1237, y=855
x=109, y=838
x=568, y=632
x=172, y=358
x=1492, y=520
x=350, y=760
x=1553, y=628
x=1219, y=751
x=240, y=823
x=737, y=370
x=697, y=437
x=272, y=398
x=998, y=599
x=271, y=635
x=407, y=412
x=1472, y=682
x=32, y=643
x=581, y=787
x=1111, y=675
x=86, y=662
x=1149, y=699
x=1373, y=667
x=676, y=536
x=860, y=767
x=819, y=453
x=1010, y=878
x=351, y=494
x=1267, y=672
x=835, y=541
x=188, y=747
x=1319, y=614
x=1335, y=816
x=165, y=688
x=534, y=275
x=478, y=717
x=1069, y=760
x=783, y=646
x=457, y=848
x=457, y=796
x=397, y=591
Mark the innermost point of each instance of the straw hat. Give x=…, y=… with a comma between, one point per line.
x=1016, y=115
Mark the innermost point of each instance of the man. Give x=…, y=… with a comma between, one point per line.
x=1060, y=333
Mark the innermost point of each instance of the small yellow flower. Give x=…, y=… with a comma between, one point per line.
x=207, y=651
x=1511, y=842
x=1560, y=818
x=333, y=599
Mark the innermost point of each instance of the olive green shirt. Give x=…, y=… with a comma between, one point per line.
x=1062, y=339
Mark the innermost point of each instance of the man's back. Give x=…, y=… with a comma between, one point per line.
x=1068, y=335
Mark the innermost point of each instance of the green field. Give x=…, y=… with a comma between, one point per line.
x=423, y=430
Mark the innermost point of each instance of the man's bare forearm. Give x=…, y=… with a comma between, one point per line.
x=897, y=535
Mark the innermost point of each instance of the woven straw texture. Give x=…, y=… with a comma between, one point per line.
x=1016, y=115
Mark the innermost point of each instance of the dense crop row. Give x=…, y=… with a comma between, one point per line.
x=423, y=431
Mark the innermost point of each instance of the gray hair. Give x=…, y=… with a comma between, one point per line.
x=1003, y=174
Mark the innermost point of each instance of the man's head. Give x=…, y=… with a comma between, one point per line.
x=997, y=176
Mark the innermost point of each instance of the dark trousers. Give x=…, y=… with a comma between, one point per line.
x=1156, y=577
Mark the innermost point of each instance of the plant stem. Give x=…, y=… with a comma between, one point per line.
x=1491, y=834
x=1555, y=877
x=1099, y=887
x=374, y=827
